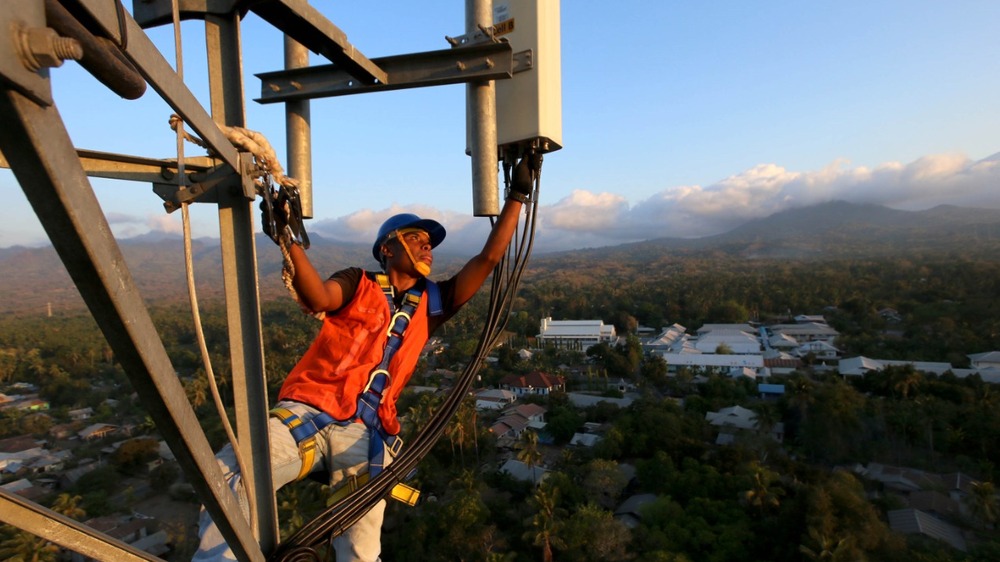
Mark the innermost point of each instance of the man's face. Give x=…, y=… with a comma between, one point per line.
x=418, y=247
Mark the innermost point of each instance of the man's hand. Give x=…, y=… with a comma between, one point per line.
x=522, y=184
x=280, y=216
x=272, y=220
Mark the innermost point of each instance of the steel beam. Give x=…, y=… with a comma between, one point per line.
x=46, y=166
x=300, y=21
x=65, y=532
x=148, y=60
x=493, y=61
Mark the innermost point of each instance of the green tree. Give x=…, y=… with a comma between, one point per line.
x=529, y=452
x=594, y=535
x=547, y=522
x=604, y=482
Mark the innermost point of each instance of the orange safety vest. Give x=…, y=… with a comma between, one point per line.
x=335, y=369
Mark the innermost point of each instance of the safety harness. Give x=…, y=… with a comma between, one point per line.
x=304, y=430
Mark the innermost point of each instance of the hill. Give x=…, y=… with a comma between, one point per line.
x=35, y=278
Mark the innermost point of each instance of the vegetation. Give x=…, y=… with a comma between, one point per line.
x=753, y=500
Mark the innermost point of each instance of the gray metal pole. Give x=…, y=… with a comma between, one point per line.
x=298, y=132
x=239, y=263
x=482, y=119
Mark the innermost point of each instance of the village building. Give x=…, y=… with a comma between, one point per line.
x=535, y=382
x=575, y=334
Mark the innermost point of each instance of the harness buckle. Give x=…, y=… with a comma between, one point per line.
x=393, y=444
x=371, y=379
x=395, y=318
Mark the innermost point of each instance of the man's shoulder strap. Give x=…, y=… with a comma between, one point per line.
x=434, y=305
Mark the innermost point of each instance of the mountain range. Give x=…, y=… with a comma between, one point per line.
x=35, y=279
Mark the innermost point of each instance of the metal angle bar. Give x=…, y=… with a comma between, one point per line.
x=161, y=76
x=109, y=165
x=300, y=21
x=65, y=532
x=492, y=61
x=44, y=162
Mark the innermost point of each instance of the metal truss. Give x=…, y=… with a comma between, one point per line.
x=34, y=143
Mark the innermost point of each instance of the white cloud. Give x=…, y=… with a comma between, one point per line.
x=694, y=211
x=592, y=219
x=170, y=224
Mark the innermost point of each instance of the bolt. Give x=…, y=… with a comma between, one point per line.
x=42, y=47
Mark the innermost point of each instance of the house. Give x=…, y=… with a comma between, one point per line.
x=520, y=471
x=96, y=431
x=810, y=319
x=581, y=400
x=810, y=331
x=818, y=349
x=25, y=489
x=735, y=416
x=535, y=382
x=771, y=390
x=913, y=521
x=575, y=334
x=988, y=360
x=584, y=439
x=132, y=531
x=81, y=414
x=666, y=339
x=739, y=338
x=740, y=418
x=494, y=399
x=629, y=512
x=714, y=362
x=515, y=420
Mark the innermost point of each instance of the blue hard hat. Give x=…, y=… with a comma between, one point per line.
x=407, y=220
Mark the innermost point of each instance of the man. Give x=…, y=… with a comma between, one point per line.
x=319, y=423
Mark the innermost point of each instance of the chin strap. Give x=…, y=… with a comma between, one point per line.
x=421, y=267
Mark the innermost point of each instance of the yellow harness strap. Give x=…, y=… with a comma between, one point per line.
x=400, y=492
x=307, y=447
x=307, y=451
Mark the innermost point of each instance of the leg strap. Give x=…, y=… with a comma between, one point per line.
x=304, y=432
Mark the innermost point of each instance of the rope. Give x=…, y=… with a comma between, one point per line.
x=268, y=169
x=189, y=269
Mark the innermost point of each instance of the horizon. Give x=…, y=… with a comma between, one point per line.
x=468, y=238
x=709, y=117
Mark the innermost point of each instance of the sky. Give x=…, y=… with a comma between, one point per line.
x=679, y=119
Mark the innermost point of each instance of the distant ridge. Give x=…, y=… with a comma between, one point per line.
x=35, y=277
x=833, y=230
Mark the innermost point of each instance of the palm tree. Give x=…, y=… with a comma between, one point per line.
x=906, y=380
x=761, y=495
x=828, y=548
x=983, y=503
x=25, y=547
x=529, y=453
x=69, y=505
x=546, y=523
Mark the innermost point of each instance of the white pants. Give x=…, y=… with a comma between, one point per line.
x=341, y=450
